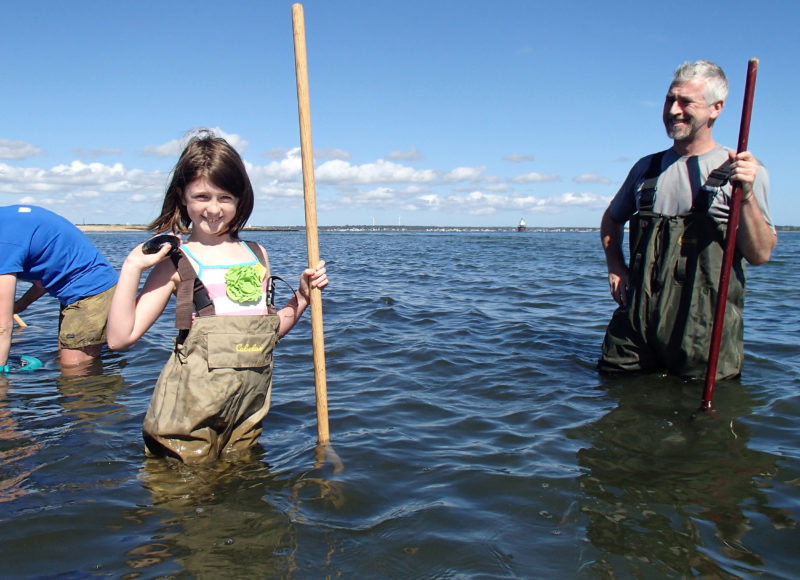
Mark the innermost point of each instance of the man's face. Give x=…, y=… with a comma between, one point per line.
x=686, y=113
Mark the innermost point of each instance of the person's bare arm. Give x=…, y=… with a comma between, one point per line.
x=611, y=235
x=33, y=294
x=755, y=239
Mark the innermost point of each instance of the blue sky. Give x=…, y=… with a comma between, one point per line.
x=430, y=112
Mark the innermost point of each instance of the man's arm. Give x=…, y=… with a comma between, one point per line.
x=611, y=236
x=754, y=238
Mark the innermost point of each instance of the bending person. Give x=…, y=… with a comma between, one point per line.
x=39, y=246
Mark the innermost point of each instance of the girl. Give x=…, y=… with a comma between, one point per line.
x=215, y=389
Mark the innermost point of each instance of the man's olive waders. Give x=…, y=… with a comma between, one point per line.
x=675, y=263
x=215, y=389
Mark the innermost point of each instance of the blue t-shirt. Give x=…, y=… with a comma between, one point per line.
x=39, y=245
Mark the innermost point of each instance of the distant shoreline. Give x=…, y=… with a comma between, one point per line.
x=109, y=228
x=143, y=228
x=530, y=229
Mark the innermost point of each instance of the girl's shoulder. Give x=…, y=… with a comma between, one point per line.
x=258, y=250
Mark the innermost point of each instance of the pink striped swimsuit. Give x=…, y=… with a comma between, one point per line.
x=213, y=278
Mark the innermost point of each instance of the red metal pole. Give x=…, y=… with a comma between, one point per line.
x=730, y=242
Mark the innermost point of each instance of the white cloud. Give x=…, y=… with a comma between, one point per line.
x=484, y=203
x=535, y=178
x=17, y=150
x=588, y=200
x=277, y=190
x=83, y=188
x=175, y=147
x=518, y=157
x=379, y=172
x=331, y=153
x=432, y=200
x=77, y=178
x=275, y=153
x=89, y=194
x=463, y=174
x=496, y=187
x=169, y=149
x=377, y=186
x=413, y=154
x=378, y=197
x=591, y=178
x=290, y=168
x=97, y=152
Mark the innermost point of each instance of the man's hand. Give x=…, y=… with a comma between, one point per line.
x=619, y=283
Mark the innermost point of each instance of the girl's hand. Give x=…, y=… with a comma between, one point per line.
x=291, y=313
x=313, y=278
x=142, y=261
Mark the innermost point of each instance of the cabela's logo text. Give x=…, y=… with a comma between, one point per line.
x=249, y=347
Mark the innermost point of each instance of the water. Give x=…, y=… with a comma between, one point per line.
x=471, y=436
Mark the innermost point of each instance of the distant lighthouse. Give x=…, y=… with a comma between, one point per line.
x=521, y=227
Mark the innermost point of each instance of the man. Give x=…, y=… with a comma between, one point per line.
x=41, y=247
x=678, y=208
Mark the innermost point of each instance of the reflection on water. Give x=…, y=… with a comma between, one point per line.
x=84, y=395
x=657, y=472
x=15, y=449
x=214, y=521
x=226, y=519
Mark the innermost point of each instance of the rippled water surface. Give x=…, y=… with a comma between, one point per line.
x=471, y=435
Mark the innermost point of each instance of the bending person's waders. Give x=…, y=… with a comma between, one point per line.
x=674, y=273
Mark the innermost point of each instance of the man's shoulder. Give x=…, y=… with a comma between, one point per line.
x=647, y=159
x=643, y=165
x=718, y=154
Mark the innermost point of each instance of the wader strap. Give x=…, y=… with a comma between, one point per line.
x=256, y=249
x=191, y=296
x=647, y=197
x=720, y=175
x=715, y=180
x=704, y=197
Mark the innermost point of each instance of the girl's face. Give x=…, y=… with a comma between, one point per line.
x=210, y=208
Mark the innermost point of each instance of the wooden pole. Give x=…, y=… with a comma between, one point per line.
x=19, y=321
x=312, y=234
x=730, y=242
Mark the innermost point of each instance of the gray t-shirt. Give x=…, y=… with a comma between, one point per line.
x=681, y=177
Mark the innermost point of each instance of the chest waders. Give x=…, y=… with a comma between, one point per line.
x=675, y=263
x=215, y=389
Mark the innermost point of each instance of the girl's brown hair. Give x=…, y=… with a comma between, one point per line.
x=210, y=157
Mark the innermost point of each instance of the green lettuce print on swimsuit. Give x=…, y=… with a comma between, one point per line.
x=243, y=283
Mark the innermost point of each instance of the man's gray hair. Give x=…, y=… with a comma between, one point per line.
x=716, y=82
